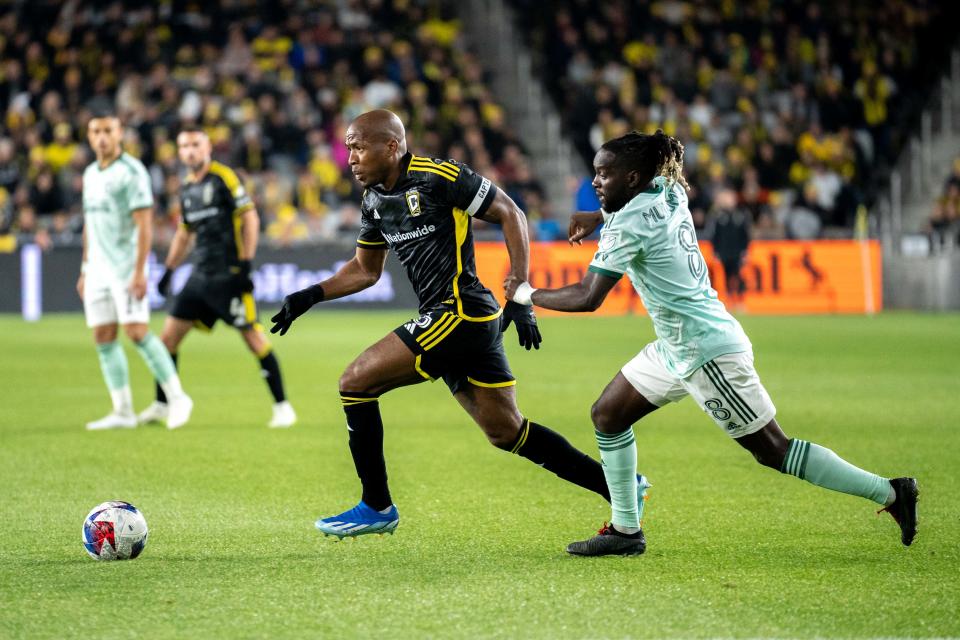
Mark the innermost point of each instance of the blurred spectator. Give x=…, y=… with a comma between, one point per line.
x=944, y=223
x=46, y=197
x=729, y=232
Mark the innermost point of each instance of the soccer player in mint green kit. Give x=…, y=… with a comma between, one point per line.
x=700, y=350
x=117, y=209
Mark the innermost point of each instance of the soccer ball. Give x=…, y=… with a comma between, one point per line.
x=114, y=530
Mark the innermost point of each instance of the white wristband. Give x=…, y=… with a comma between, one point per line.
x=523, y=294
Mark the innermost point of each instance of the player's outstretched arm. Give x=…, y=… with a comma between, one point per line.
x=586, y=295
x=505, y=212
x=361, y=272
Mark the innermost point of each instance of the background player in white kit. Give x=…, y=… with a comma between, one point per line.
x=700, y=350
x=117, y=210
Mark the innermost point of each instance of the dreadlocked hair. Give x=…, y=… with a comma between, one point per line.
x=651, y=155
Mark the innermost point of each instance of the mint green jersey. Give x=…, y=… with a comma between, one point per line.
x=653, y=241
x=110, y=195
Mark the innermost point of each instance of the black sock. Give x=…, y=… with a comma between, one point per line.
x=161, y=396
x=366, y=446
x=550, y=450
x=271, y=373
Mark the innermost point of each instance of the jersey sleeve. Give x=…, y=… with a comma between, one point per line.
x=469, y=190
x=370, y=235
x=616, y=249
x=183, y=218
x=237, y=197
x=139, y=189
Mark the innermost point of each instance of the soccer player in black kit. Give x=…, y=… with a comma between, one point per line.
x=219, y=215
x=421, y=209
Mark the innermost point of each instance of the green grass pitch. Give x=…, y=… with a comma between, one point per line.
x=734, y=550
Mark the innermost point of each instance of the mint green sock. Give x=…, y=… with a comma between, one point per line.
x=618, y=453
x=824, y=468
x=113, y=365
x=158, y=359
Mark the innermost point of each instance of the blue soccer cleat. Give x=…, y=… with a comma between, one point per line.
x=359, y=521
x=642, y=485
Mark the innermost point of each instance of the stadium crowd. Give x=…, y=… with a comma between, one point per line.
x=795, y=104
x=274, y=85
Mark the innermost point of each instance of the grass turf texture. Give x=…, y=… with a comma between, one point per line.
x=734, y=549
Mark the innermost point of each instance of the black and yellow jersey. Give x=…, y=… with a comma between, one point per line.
x=212, y=207
x=425, y=220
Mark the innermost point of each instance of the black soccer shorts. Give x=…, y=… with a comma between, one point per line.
x=458, y=350
x=206, y=300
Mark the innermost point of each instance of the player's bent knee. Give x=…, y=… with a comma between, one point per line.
x=136, y=332
x=604, y=417
x=502, y=431
x=354, y=379
x=105, y=333
x=501, y=437
x=767, y=460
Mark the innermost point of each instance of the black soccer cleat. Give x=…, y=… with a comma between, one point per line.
x=904, y=507
x=610, y=542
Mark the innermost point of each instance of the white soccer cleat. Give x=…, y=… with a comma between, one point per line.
x=283, y=416
x=156, y=412
x=178, y=411
x=113, y=421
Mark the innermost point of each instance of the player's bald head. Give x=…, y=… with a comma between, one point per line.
x=379, y=126
x=377, y=144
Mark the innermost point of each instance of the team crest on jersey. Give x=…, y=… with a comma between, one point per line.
x=608, y=240
x=207, y=193
x=422, y=322
x=413, y=202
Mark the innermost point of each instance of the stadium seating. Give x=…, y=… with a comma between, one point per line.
x=274, y=87
x=798, y=105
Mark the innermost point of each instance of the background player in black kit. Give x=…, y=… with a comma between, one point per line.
x=219, y=215
x=421, y=209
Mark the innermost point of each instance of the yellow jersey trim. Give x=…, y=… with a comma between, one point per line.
x=226, y=174
x=426, y=163
x=416, y=365
x=491, y=385
x=461, y=221
x=440, y=338
x=372, y=244
x=444, y=320
x=433, y=170
x=249, y=306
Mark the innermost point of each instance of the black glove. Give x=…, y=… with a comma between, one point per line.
x=163, y=285
x=242, y=283
x=522, y=316
x=294, y=306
